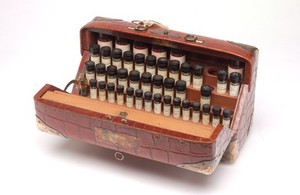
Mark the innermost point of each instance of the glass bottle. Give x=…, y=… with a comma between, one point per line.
x=235, y=80
x=169, y=84
x=162, y=67
x=222, y=81
x=117, y=58
x=102, y=90
x=123, y=77
x=205, y=114
x=157, y=103
x=205, y=94
x=95, y=53
x=179, y=55
x=90, y=70
x=139, y=62
x=112, y=74
x=139, y=99
x=186, y=69
x=111, y=93
x=128, y=60
x=185, y=110
x=226, y=117
x=146, y=81
x=100, y=72
x=157, y=84
x=216, y=112
x=167, y=105
x=197, y=76
x=129, y=97
x=106, y=55
x=176, y=107
x=196, y=112
x=148, y=101
x=236, y=66
x=134, y=77
x=174, y=69
x=140, y=47
x=120, y=95
x=123, y=44
x=159, y=51
x=150, y=64
x=93, y=89
x=181, y=89
x=105, y=40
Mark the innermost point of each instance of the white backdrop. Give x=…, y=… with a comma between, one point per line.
x=39, y=43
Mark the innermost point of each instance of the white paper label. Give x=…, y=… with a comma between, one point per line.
x=129, y=101
x=120, y=99
x=146, y=87
x=111, y=97
x=157, y=89
x=221, y=87
x=234, y=89
x=204, y=100
x=180, y=59
x=196, y=116
x=93, y=93
x=100, y=77
x=112, y=79
x=123, y=47
x=162, y=72
x=105, y=43
x=106, y=61
x=134, y=85
x=167, y=110
x=157, y=108
x=186, y=78
x=159, y=54
x=169, y=92
x=174, y=75
x=186, y=114
x=102, y=95
x=89, y=76
x=240, y=70
x=128, y=65
x=205, y=119
x=117, y=63
x=123, y=82
x=181, y=95
x=95, y=58
x=139, y=103
x=150, y=69
x=140, y=68
x=148, y=106
x=143, y=51
x=215, y=121
x=226, y=122
x=197, y=81
x=176, y=112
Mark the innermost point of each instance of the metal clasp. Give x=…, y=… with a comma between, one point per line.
x=142, y=25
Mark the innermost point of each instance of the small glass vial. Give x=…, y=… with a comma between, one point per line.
x=216, y=111
x=222, y=81
x=169, y=84
x=148, y=101
x=186, y=69
x=106, y=55
x=129, y=97
x=117, y=58
x=162, y=67
x=112, y=74
x=90, y=70
x=139, y=99
x=83, y=85
x=226, y=117
x=134, y=77
x=236, y=66
x=206, y=114
x=185, y=110
x=196, y=112
x=146, y=81
x=157, y=84
x=235, y=80
x=102, y=90
x=157, y=103
x=167, y=105
x=93, y=89
x=111, y=93
x=120, y=95
x=123, y=77
x=176, y=54
x=128, y=60
x=150, y=64
x=181, y=89
x=176, y=107
x=100, y=72
x=139, y=62
x=205, y=94
x=95, y=53
x=197, y=76
x=174, y=69
x=159, y=51
x=140, y=47
x=123, y=44
x=105, y=40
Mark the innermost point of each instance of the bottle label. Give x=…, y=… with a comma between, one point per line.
x=204, y=100
x=176, y=112
x=226, y=122
x=128, y=65
x=181, y=59
x=146, y=87
x=181, y=95
x=148, y=106
x=123, y=82
x=150, y=69
x=221, y=87
x=234, y=89
x=174, y=75
x=187, y=78
x=93, y=93
x=239, y=70
x=129, y=101
x=205, y=119
x=111, y=97
x=105, y=43
x=162, y=72
x=170, y=92
x=196, y=116
x=157, y=108
x=139, y=103
x=159, y=54
x=123, y=47
x=106, y=61
x=186, y=114
x=100, y=77
x=140, y=68
x=197, y=81
x=102, y=95
x=143, y=51
x=134, y=85
x=157, y=89
x=167, y=110
x=112, y=79
x=215, y=121
x=117, y=63
x=120, y=99
x=95, y=58
x=89, y=76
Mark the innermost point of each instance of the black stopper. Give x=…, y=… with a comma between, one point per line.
x=227, y=113
x=169, y=82
x=196, y=106
x=122, y=41
x=177, y=52
x=237, y=64
x=146, y=77
x=130, y=91
x=139, y=45
x=174, y=65
x=128, y=56
x=222, y=75
x=186, y=67
x=176, y=101
x=139, y=58
x=206, y=108
x=157, y=97
x=110, y=86
x=134, y=75
x=206, y=90
x=185, y=103
x=162, y=63
x=93, y=83
x=151, y=60
x=105, y=51
x=95, y=49
x=235, y=77
x=122, y=73
x=100, y=68
x=139, y=93
x=117, y=53
x=158, y=48
x=180, y=85
x=90, y=65
x=102, y=84
x=148, y=95
x=105, y=36
x=198, y=70
x=216, y=110
x=158, y=80
x=167, y=99
x=120, y=89
x=112, y=70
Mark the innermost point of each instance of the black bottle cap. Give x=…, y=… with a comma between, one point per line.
x=95, y=49
x=90, y=65
x=176, y=52
x=186, y=67
x=206, y=90
x=130, y=91
x=185, y=103
x=138, y=93
x=198, y=70
x=105, y=36
x=167, y=99
x=120, y=89
x=237, y=64
x=122, y=41
x=139, y=58
x=158, y=48
x=174, y=65
x=148, y=95
x=196, y=106
x=117, y=53
x=206, y=108
x=158, y=80
x=151, y=60
x=157, y=97
x=139, y=44
x=128, y=56
x=122, y=73
x=216, y=110
x=176, y=101
x=134, y=75
x=112, y=70
x=222, y=75
x=180, y=85
x=146, y=77
x=227, y=113
x=110, y=86
x=162, y=63
x=102, y=84
x=105, y=51
x=100, y=68
x=235, y=77
x=169, y=82
x=93, y=83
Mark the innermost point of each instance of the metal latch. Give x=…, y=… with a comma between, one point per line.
x=193, y=38
x=142, y=25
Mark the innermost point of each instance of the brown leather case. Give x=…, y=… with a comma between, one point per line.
x=177, y=142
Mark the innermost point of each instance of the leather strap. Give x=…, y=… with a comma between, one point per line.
x=74, y=81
